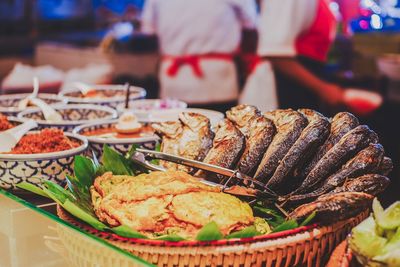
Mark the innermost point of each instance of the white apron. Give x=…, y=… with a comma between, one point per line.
x=199, y=79
x=260, y=88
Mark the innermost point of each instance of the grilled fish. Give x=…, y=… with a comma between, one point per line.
x=365, y=161
x=372, y=184
x=242, y=116
x=351, y=143
x=260, y=136
x=289, y=125
x=228, y=145
x=170, y=133
x=313, y=135
x=341, y=123
x=334, y=207
x=385, y=167
x=196, y=139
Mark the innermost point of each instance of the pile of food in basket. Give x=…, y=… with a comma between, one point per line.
x=279, y=188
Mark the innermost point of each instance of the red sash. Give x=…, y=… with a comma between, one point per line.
x=193, y=61
x=316, y=41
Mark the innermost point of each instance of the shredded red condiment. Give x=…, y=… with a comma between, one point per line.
x=46, y=141
x=4, y=123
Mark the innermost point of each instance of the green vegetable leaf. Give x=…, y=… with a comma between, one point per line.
x=81, y=194
x=32, y=188
x=52, y=196
x=84, y=170
x=308, y=219
x=388, y=219
x=273, y=216
x=171, y=237
x=60, y=193
x=268, y=211
x=126, y=231
x=392, y=258
x=377, y=208
x=364, y=239
x=393, y=242
x=115, y=162
x=287, y=225
x=209, y=232
x=157, y=148
x=131, y=151
x=246, y=232
x=84, y=216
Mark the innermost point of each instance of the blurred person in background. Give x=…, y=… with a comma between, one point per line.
x=198, y=40
x=295, y=37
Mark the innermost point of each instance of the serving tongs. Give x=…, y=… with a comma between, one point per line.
x=235, y=183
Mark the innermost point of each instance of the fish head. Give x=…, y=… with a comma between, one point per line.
x=168, y=128
x=194, y=121
x=226, y=130
x=242, y=114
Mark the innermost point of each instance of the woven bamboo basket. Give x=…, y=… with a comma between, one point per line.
x=341, y=256
x=304, y=246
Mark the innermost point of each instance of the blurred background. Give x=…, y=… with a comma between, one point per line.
x=103, y=38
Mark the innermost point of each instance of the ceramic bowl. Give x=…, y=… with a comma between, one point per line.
x=143, y=107
x=73, y=116
x=121, y=145
x=9, y=103
x=116, y=92
x=17, y=168
x=173, y=114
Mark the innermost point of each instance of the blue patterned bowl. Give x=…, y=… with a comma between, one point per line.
x=17, y=168
x=121, y=145
x=116, y=95
x=9, y=103
x=73, y=116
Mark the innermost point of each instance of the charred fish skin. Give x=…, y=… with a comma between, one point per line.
x=228, y=145
x=334, y=207
x=365, y=161
x=350, y=144
x=170, y=133
x=242, y=115
x=197, y=137
x=385, y=167
x=310, y=138
x=372, y=184
x=261, y=133
x=341, y=123
x=289, y=125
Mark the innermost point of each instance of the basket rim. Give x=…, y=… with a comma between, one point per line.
x=112, y=237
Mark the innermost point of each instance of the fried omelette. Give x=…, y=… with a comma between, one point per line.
x=168, y=202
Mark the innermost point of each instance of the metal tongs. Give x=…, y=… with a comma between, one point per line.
x=235, y=183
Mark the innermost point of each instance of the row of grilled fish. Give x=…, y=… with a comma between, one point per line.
x=301, y=155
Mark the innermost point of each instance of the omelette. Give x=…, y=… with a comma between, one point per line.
x=171, y=202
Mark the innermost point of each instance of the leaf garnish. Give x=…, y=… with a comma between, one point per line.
x=209, y=232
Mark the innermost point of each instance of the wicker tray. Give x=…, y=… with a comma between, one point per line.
x=304, y=246
x=341, y=256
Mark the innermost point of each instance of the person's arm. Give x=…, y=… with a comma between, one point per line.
x=281, y=22
x=290, y=67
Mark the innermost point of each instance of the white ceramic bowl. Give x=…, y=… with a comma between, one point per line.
x=121, y=145
x=17, y=168
x=142, y=107
x=73, y=116
x=9, y=103
x=173, y=114
x=72, y=95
